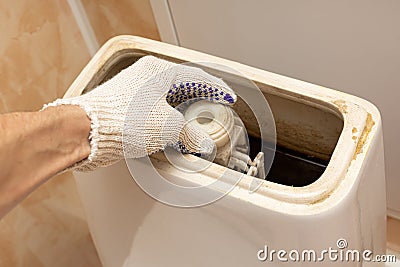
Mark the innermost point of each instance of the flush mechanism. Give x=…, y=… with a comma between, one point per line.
x=297, y=141
x=228, y=132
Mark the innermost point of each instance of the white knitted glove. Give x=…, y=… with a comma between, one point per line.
x=133, y=113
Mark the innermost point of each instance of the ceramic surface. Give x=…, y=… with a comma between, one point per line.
x=347, y=201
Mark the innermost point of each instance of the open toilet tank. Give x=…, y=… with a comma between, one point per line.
x=327, y=184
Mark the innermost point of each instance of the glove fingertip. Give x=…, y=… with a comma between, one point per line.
x=194, y=141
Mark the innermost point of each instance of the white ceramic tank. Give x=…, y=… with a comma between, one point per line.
x=345, y=199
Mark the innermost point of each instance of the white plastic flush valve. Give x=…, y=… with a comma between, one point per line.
x=228, y=132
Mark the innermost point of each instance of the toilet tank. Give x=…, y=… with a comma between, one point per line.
x=325, y=189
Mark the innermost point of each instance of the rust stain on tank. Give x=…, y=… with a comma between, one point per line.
x=367, y=129
x=369, y=124
x=341, y=105
x=323, y=198
x=354, y=130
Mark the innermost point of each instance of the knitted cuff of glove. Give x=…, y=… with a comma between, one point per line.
x=94, y=136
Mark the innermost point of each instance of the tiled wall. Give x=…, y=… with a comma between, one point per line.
x=109, y=18
x=41, y=52
x=393, y=234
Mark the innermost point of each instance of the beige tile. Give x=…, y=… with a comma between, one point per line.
x=41, y=52
x=48, y=229
x=110, y=18
x=393, y=233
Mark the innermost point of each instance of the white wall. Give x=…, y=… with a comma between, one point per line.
x=352, y=46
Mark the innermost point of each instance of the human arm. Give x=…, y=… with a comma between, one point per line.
x=37, y=145
x=130, y=116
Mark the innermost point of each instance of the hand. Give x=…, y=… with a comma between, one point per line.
x=132, y=113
